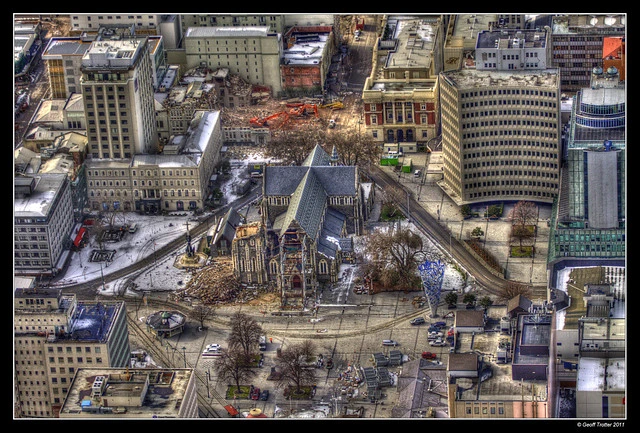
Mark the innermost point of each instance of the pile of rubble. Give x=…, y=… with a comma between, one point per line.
x=240, y=116
x=215, y=284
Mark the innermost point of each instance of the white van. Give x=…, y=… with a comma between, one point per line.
x=133, y=228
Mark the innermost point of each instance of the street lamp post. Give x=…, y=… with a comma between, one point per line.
x=184, y=354
x=208, y=374
x=486, y=228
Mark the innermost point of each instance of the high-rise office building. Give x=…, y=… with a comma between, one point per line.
x=117, y=86
x=500, y=135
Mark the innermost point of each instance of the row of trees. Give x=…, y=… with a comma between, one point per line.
x=292, y=146
x=238, y=361
x=511, y=290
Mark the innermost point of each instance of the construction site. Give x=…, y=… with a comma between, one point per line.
x=283, y=114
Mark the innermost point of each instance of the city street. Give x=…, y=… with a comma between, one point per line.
x=350, y=333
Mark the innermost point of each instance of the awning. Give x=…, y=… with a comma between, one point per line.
x=79, y=237
x=231, y=410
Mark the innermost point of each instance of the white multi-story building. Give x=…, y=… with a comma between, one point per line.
x=177, y=179
x=511, y=50
x=43, y=223
x=54, y=336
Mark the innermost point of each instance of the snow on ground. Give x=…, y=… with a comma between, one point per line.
x=153, y=233
x=452, y=280
x=157, y=231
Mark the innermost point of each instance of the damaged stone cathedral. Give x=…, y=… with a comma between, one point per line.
x=308, y=215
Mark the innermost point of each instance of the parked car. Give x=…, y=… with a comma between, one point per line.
x=212, y=350
x=389, y=343
x=440, y=324
x=418, y=321
x=438, y=342
x=428, y=355
x=264, y=395
x=255, y=394
x=434, y=335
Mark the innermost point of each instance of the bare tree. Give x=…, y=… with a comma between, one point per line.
x=234, y=365
x=394, y=258
x=524, y=216
x=200, y=313
x=245, y=333
x=392, y=198
x=521, y=234
x=96, y=231
x=293, y=365
x=524, y=213
x=513, y=289
x=292, y=146
x=353, y=148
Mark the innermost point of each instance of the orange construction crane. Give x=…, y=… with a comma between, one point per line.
x=257, y=121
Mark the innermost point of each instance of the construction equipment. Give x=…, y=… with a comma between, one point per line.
x=301, y=110
x=257, y=121
x=294, y=110
x=337, y=105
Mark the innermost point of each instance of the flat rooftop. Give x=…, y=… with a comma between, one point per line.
x=58, y=47
x=127, y=393
x=38, y=203
x=307, y=52
x=227, y=32
x=601, y=374
x=468, y=78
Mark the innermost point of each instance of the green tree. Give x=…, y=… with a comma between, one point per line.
x=494, y=211
x=465, y=210
x=486, y=302
x=451, y=298
x=469, y=299
x=477, y=233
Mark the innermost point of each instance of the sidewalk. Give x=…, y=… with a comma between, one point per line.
x=496, y=233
